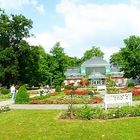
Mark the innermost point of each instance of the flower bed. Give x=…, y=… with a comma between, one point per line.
x=88, y=112
x=96, y=100
x=67, y=101
x=135, y=91
x=77, y=91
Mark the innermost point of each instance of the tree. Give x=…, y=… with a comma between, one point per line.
x=28, y=58
x=58, y=64
x=13, y=30
x=94, y=51
x=72, y=61
x=44, y=66
x=128, y=58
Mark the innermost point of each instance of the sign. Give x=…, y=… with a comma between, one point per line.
x=83, y=71
x=119, y=99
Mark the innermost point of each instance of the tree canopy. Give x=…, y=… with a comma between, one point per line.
x=128, y=58
x=17, y=57
x=94, y=51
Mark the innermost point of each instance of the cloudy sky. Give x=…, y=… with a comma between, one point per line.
x=79, y=24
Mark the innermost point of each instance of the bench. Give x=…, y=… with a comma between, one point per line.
x=119, y=99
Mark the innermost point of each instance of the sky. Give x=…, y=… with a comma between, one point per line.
x=79, y=24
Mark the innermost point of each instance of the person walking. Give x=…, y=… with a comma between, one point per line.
x=13, y=91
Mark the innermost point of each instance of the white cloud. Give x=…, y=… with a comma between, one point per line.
x=17, y=4
x=92, y=24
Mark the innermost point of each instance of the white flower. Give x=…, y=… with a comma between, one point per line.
x=114, y=115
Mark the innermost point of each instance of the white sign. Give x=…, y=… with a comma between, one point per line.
x=122, y=98
x=101, y=90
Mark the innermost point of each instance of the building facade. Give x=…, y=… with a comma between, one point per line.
x=96, y=70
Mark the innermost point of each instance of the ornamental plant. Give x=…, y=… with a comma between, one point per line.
x=22, y=96
x=135, y=91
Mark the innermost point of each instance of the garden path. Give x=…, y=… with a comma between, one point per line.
x=11, y=104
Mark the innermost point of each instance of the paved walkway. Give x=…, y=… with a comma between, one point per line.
x=7, y=102
x=11, y=104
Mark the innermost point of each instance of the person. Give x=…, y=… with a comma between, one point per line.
x=13, y=91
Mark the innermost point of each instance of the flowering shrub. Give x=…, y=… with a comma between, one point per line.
x=84, y=82
x=87, y=112
x=67, y=91
x=66, y=101
x=96, y=100
x=77, y=91
x=135, y=91
x=80, y=92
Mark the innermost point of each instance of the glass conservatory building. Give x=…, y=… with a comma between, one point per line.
x=95, y=69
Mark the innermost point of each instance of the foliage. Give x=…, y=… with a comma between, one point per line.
x=130, y=84
x=94, y=51
x=22, y=96
x=87, y=112
x=136, y=98
x=4, y=91
x=128, y=58
x=74, y=90
x=58, y=88
x=4, y=108
x=55, y=98
x=4, y=97
x=96, y=100
x=18, y=60
x=135, y=91
x=110, y=82
x=58, y=64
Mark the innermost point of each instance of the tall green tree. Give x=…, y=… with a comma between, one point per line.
x=58, y=65
x=94, y=51
x=28, y=63
x=128, y=58
x=44, y=67
x=13, y=30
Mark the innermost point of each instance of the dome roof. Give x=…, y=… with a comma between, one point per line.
x=95, y=61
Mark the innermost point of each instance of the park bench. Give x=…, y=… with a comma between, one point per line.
x=117, y=99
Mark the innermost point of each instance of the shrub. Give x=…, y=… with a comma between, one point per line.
x=130, y=84
x=86, y=112
x=77, y=91
x=58, y=88
x=22, y=96
x=96, y=100
x=4, y=108
x=135, y=91
x=5, y=91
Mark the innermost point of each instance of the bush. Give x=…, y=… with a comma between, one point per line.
x=4, y=109
x=86, y=112
x=5, y=91
x=130, y=84
x=135, y=91
x=22, y=96
x=58, y=88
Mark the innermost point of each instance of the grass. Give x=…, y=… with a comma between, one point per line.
x=136, y=98
x=44, y=125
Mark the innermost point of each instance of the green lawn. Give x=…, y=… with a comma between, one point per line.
x=44, y=125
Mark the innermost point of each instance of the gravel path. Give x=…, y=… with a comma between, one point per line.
x=11, y=104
